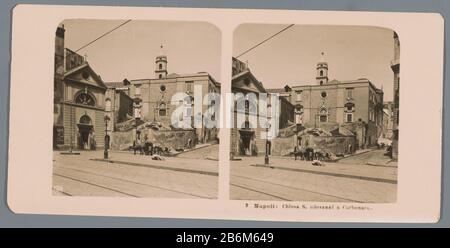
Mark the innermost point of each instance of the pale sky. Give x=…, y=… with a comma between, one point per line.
x=130, y=51
x=290, y=58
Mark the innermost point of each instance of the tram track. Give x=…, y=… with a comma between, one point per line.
x=89, y=173
x=263, y=192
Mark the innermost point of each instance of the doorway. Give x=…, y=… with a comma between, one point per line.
x=246, y=138
x=85, y=130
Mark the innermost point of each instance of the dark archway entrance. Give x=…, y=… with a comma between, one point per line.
x=246, y=137
x=85, y=130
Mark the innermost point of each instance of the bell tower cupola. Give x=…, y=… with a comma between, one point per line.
x=161, y=65
x=322, y=71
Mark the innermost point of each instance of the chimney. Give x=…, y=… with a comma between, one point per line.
x=59, y=50
x=60, y=31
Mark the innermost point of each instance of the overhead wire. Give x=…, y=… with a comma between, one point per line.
x=264, y=41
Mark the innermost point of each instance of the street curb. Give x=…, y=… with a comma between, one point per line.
x=208, y=173
x=336, y=160
x=373, y=179
x=194, y=149
x=380, y=165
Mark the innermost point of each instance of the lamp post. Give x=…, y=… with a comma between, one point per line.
x=137, y=115
x=269, y=116
x=298, y=122
x=266, y=157
x=105, y=153
x=137, y=119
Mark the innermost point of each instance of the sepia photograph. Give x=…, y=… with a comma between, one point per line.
x=133, y=105
x=225, y=114
x=316, y=113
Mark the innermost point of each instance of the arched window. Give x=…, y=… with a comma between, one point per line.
x=162, y=109
x=160, y=66
x=160, y=76
x=250, y=104
x=85, y=120
x=108, y=105
x=321, y=72
x=85, y=99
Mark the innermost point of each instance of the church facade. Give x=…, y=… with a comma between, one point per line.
x=354, y=104
x=79, y=100
x=152, y=97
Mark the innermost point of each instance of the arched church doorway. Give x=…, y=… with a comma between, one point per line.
x=85, y=130
x=245, y=142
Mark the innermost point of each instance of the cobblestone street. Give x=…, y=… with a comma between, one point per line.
x=87, y=175
x=186, y=177
x=291, y=180
x=372, y=157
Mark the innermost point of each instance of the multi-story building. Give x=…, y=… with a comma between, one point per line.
x=79, y=100
x=153, y=97
x=354, y=104
x=118, y=105
x=395, y=66
x=249, y=135
x=388, y=120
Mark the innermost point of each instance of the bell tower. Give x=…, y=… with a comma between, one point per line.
x=161, y=65
x=322, y=71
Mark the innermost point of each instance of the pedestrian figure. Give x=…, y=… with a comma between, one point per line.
x=92, y=142
x=309, y=154
x=295, y=152
x=134, y=147
x=298, y=152
x=147, y=148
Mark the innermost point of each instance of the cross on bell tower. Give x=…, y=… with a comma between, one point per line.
x=322, y=70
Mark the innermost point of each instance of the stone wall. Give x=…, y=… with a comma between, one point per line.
x=282, y=146
x=172, y=139
x=334, y=144
x=360, y=131
x=122, y=140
